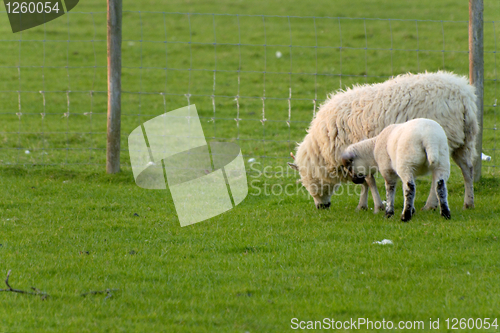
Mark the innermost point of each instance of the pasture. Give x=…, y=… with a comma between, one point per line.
x=68, y=229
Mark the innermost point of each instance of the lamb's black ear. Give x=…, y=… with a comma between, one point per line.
x=293, y=166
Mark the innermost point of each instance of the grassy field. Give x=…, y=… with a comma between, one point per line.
x=69, y=229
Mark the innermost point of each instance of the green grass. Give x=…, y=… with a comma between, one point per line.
x=69, y=228
x=254, y=268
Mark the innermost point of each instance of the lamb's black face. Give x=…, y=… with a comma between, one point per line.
x=358, y=179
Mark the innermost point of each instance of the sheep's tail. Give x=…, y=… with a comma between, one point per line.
x=471, y=127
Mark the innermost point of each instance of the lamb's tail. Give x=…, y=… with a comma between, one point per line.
x=438, y=155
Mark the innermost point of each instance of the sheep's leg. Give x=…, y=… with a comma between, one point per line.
x=465, y=164
x=390, y=190
x=409, y=190
x=377, y=201
x=363, y=199
x=432, y=200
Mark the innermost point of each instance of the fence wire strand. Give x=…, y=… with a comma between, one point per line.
x=248, y=86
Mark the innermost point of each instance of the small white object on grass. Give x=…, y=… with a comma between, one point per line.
x=485, y=157
x=384, y=242
x=251, y=160
x=278, y=54
x=27, y=152
x=130, y=43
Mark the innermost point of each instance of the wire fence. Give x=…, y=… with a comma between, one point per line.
x=256, y=80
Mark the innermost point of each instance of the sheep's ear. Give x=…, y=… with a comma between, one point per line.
x=293, y=166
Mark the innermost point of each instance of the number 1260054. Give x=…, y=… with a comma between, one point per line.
x=31, y=7
x=471, y=323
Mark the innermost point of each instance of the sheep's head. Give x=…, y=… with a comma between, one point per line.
x=318, y=182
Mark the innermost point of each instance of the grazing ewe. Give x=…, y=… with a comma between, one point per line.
x=414, y=148
x=364, y=111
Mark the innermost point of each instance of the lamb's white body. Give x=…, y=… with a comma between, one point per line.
x=407, y=150
x=364, y=111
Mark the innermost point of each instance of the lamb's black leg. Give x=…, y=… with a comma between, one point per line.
x=409, y=210
x=442, y=195
x=390, y=189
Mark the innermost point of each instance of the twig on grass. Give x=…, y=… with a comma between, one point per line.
x=36, y=291
x=107, y=291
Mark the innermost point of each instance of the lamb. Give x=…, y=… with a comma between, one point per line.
x=407, y=150
x=364, y=111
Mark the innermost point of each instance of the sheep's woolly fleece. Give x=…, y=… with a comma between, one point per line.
x=363, y=111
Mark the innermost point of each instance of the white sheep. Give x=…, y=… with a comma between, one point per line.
x=364, y=111
x=407, y=150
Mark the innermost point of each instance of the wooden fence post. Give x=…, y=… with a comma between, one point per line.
x=114, y=85
x=476, y=71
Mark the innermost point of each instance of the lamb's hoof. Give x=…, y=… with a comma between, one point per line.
x=468, y=205
x=389, y=214
x=360, y=208
x=429, y=207
x=406, y=216
x=378, y=209
x=446, y=214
